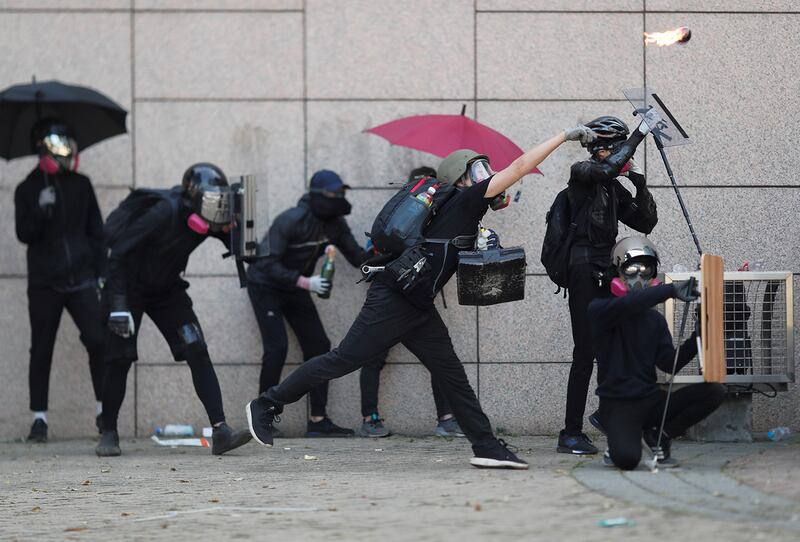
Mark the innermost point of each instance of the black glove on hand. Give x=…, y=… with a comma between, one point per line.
x=685, y=290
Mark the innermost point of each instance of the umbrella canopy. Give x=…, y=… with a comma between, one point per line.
x=443, y=134
x=92, y=116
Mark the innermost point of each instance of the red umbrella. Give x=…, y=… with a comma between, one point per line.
x=443, y=134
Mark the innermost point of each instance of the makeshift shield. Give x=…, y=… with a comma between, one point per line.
x=488, y=277
x=668, y=131
x=712, y=353
x=244, y=240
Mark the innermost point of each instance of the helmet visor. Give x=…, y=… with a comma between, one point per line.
x=59, y=146
x=215, y=207
x=480, y=170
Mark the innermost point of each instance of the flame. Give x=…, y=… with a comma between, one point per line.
x=669, y=37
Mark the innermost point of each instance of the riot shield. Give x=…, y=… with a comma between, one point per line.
x=244, y=233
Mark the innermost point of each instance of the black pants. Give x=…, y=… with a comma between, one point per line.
x=174, y=316
x=45, y=306
x=370, y=380
x=582, y=289
x=625, y=419
x=271, y=306
x=386, y=319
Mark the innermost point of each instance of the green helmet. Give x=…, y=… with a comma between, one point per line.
x=455, y=165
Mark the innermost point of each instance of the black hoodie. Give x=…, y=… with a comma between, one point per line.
x=296, y=239
x=65, y=248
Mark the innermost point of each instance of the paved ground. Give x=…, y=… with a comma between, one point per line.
x=393, y=489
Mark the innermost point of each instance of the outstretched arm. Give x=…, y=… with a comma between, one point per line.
x=529, y=160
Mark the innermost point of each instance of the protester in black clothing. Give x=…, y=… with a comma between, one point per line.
x=369, y=378
x=597, y=202
x=57, y=216
x=280, y=284
x=148, y=252
x=631, y=339
x=390, y=316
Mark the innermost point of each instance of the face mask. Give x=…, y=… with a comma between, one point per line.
x=634, y=276
x=327, y=208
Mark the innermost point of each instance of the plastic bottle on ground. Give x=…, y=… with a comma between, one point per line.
x=175, y=430
x=779, y=433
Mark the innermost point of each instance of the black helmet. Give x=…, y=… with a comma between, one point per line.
x=207, y=192
x=53, y=140
x=611, y=131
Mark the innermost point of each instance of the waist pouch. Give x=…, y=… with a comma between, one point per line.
x=411, y=272
x=488, y=277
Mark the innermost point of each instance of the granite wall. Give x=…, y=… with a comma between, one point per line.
x=285, y=87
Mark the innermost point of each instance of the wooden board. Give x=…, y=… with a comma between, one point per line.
x=711, y=323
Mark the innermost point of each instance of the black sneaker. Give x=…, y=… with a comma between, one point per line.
x=578, y=444
x=325, y=428
x=496, y=456
x=225, y=439
x=260, y=415
x=594, y=419
x=662, y=452
x=109, y=445
x=374, y=428
x=607, y=459
x=448, y=428
x=38, y=431
x=98, y=422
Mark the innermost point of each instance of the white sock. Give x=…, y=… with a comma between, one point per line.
x=40, y=416
x=99, y=407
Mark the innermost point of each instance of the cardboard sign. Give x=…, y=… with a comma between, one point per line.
x=712, y=319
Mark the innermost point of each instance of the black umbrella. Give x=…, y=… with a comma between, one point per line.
x=92, y=116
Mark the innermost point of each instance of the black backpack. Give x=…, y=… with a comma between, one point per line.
x=401, y=222
x=558, y=239
x=134, y=206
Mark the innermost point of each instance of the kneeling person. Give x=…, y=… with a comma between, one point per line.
x=147, y=256
x=631, y=339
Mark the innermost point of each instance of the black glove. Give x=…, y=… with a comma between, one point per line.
x=685, y=290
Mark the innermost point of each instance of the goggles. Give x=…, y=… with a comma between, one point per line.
x=215, y=207
x=646, y=270
x=333, y=194
x=479, y=171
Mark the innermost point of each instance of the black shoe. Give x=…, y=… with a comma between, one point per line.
x=663, y=451
x=578, y=444
x=224, y=439
x=98, y=422
x=594, y=419
x=327, y=429
x=109, y=445
x=607, y=459
x=496, y=456
x=260, y=415
x=374, y=428
x=38, y=431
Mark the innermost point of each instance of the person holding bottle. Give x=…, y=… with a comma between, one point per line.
x=280, y=285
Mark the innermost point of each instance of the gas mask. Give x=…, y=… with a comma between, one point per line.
x=58, y=153
x=634, y=275
x=328, y=205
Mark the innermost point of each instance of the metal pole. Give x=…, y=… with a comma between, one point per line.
x=660, y=147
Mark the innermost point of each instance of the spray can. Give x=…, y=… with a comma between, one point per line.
x=328, y=269
x=175, y=430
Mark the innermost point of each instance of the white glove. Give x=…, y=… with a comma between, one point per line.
x=47, y=197
x=121, y=323
x=580, y=133
x=319, y=285
x=634, y=167
x=650, y=120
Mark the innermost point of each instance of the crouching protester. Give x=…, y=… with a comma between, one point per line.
x=150, y=237
x=399, y=308
x=631, y=339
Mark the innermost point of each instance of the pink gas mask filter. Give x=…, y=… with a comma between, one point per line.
x=197, y=224
x=620, y=289
x=51, y=166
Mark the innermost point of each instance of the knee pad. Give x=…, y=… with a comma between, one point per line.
x=193, y=343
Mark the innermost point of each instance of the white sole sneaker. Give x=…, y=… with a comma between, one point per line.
x=250, y=426
x=486, y=463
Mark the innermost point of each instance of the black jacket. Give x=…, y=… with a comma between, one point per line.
x=65, y=249
x=149, y=259
x=295, y=241
x=631, y=339
x=598, y=201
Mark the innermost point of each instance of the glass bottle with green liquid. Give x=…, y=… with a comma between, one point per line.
x=328, y=269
